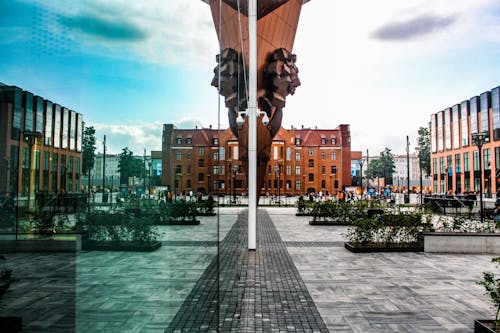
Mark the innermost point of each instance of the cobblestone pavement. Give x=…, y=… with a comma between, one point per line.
x=144, y=292
x=259, y=291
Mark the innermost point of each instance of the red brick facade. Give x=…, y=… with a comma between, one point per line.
x=302, y=160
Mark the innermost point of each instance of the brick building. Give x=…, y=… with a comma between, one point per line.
x=455, y=157
x=40, y=144
x=302, y=160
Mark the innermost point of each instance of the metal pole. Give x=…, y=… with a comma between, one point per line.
x=104, y=168
x=408, y=165
x=252, y=125
x=480, y=145
x=279, y=185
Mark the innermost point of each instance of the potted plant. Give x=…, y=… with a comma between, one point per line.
x=491, y=284
x=8, y=324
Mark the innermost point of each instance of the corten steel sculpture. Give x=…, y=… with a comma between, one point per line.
x=276, y=71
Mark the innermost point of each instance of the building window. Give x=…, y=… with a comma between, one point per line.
x=473, y=109
x=288, y=169
x=333, y=169
x=297, y=169
x=188, y=155
x=456, y=124
x=189, y=141
x=323, y=156
x=215, y=156
x=323, y=169
x=485, y=102
x=447, y=128
x=189, y=169
x=311, y=151
x=439, y=126
x=222, y=153
x=215, y=141
x=333, y=156
x=323, y=141
x=495, y=108
x=476, y=161
x=288, y=184
x=188, y=183
x=201, y=162
x=179, y=141
x=178, y=168
x=458, y=168
x=333, y=141
x=178, y=155
x=297, y=184
x=297, y=156
x=298, y=141
x=311, y=177
x=487, y=159
x=311, y=163
x=288, y=153
x=323, y=183
x=201, y=151
x=201, y=177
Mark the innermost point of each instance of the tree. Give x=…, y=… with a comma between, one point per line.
x=382, y=166
x=424, y=147
x=88, y=150
x=129, y=166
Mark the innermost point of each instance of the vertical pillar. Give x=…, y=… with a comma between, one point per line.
x=252, y=125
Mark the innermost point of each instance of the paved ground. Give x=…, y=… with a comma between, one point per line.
x=152, y=292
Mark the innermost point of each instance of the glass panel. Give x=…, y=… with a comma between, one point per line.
x=65, y=128
x=447, y=128
x=464, y=113
x=474, y=109
x=28, y=111
x=484, y=109
x=48, y=123
x=38, y=109
x=57, y=126
x=433, y=133
x=455, y=118
x=495, y=106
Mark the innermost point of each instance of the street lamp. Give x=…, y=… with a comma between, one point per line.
x=478, y=139
x=31, y=139
x=277, y=172
x=235, y=171
x=419, y=152
x=361, y=174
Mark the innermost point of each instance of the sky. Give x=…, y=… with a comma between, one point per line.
x=383, y=67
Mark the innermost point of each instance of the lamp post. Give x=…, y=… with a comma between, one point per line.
x=235, y=171
x=419, y=152
x=277, y=172
x=478, y=139
x=150, y=163
x=361, y=174
x=31, y=139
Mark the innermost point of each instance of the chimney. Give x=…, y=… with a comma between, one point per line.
x=210, y=126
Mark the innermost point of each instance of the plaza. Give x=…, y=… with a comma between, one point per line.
x=300, y=279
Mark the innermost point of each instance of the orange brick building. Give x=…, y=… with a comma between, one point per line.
x=302, y=160
x=455, y=157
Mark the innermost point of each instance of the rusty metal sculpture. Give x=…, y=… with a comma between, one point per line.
x=277, y=74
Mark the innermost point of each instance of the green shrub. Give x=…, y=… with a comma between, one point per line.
x=492, y=286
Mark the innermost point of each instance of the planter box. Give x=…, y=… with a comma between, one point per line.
x=11, y=324
x=329, y=223
x=392, y=248
x=89, y=245
x=176, y=222
x=462, y=242
x=481, y=326
x=48, y=244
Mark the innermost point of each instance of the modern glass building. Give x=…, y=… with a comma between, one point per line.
x=455, y=157
x=40, y=144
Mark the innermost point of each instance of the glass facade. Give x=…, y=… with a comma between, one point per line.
x=14, y=95
x=57, y=126
x=79, y=131
x=455, y=118
x=433, y=133
x=473, y=110
x=28, y=111
x=447, y=128
x=38, y=110
x=45, y=171
x=495, y=106
x=464, y=113
x=439, y=127
x=484, y=109
x=72, y=131
x=65, y=128
x=47, y=133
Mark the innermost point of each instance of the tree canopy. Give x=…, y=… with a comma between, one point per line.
x=382, y=166
x=88, y=149
x=424, y=149
x=129, y=166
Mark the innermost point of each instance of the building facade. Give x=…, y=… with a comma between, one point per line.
x=302, y=160
x=400, y=175
x=455, y=158
x=40, y=144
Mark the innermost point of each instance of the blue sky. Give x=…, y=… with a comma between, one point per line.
x=381, y=66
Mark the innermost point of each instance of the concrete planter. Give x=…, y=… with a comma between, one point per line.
x=11, y=324
x=462, y=242
x=484, y=326
x=54, y=243
x=357, y=248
